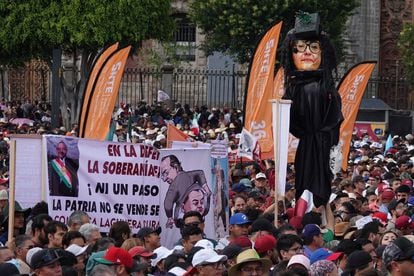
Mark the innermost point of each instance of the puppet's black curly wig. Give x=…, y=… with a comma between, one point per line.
x=328, y=58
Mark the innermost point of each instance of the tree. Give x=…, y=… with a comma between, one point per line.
x=405, y=45
x=235, y=26
x=33, y=28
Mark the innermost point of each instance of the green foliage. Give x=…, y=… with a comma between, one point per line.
x=32, y=28
x=235, y=26
x=406, y=47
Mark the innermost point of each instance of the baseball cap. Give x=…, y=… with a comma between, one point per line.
x=116, y=255
x=387, y=194
x=299, y=259
x=242, y=241
x=319, y=254
x=238, y=219
x=43, y=258
x=265, y=243
x=161, y=253
x=9, y=269
x=289, y=187
x=232, y=250
x=238, y=188
x=30, y=254
x=311, y=230
x=403, y=222
x=246, y=182
x=382, y=217
x=76, y=249
x=358, y=259
x=207, y=256
x=146, y=231
x=398, y=250
x=204, y=243
x=140, y=251
x=261, y=176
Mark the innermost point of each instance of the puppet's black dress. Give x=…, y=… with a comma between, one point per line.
x=315, y=118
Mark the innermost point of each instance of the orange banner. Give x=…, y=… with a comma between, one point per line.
x=258, y=111
x=174, y=134
x=96, y=69
x=104, y=95
x=351, y=88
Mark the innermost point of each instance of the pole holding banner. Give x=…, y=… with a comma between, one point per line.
x=12, y=189
x=281, y=122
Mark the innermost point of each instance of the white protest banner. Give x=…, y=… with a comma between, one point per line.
x=28, y=160
x=185, y=186
x=220, y=180
x=110, y=181
x=247, y=144
x=189, y=145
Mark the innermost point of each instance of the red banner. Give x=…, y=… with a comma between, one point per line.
x=104, y=95
x=258, y=111
x=351, y=88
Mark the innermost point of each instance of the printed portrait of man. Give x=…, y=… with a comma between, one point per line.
x=63, y=180
x=181, y=184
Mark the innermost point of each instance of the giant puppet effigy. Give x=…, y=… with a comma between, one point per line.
x=309, y=61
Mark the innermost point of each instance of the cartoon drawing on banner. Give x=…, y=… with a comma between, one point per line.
x=220, y=198
x=187, y=191
x=63, y=167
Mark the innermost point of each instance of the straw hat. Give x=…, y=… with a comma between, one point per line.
x=249, y=255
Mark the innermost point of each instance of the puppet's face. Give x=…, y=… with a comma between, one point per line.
x=307, y=55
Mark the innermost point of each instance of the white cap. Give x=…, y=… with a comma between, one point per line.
x=207, y=256
x=176, y=270
x=299, y=259
x=76, y=249
x=31, y=252
x=204, y=243
x=261, y=175
x=162, y=253
x=4, y=195
x=160, y=137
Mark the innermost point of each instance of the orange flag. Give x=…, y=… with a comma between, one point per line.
x=351, y=88
x=104, y=95
x=174, y=134
x=258, y=111
x=91, y=82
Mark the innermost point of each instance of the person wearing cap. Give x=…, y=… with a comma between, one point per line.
x=312, y=236
x=46, y=262
x=357, y=262
x=299, y=264
x=208, y=262
x=80, y=254
x=120, y=260
x=249, y=263
x=161, y=253
x=405, y=224
x=150, y=237
x=231, y=251
x=386, y=197
x=261, y=184
x=142, y=255
x=396, y=209
x=20, y=216
x=265, y=246
x=398, y=257
x=239, y=226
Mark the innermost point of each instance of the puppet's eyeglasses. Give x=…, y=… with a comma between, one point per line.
x=301, y=45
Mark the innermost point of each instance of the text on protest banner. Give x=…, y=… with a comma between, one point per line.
x=110, y=181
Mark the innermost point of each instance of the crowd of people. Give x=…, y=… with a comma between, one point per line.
x=365, y=229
